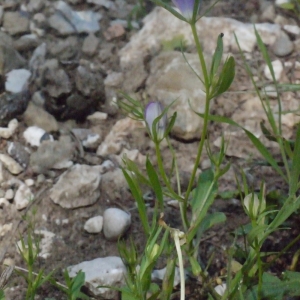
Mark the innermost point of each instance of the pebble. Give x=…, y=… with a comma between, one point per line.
x=15, y=23
x=23, y=196
x=10, y=164
x=90, y=45
x=278, y=69
x=94, y=225
x=114, y=31
x=18, y=152
x=45, y=243
x=9, y=194
x=97, y=117
x=6, y=133
x=37, y=116
x=4, y=229
x=33, y=135
x=115, y=223
x=29, y=182
x=3, y=202
x=283, y=46
x=17, y=80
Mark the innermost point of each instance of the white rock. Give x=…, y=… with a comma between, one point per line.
x=293, y=29
x=45, y=244
x=77, y=187
x=115, y=223
x=97, y=117
x=159, y=274
x=6, y=133
x=23, y=196
x=3, y=202
x=9, y=194
x=221, y=289
x=29, y=182
x=4, y=229
x=106, y=271
x=10, y=164
x=92, y=141
x=278, y=68
x=17, y=80
x=94, y=225
x=33, y=135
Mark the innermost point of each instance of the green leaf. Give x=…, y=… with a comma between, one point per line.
x=155, y=184
x=137, y=194
x=291, y=283
x=295, y=172
x=256, y=142
x=217, y=57
x=225, y=79
x=203, y=197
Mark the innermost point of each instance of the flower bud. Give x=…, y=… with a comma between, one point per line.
x=186, y=8
x=251, y=203
x=153, y=111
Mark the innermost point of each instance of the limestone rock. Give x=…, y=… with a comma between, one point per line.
x=115, y=223
x=77, y=187
x=104, y=271
x=172, y=80
x=94, y=225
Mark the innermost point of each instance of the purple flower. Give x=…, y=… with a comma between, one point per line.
x=153, y=111
x=186, y=8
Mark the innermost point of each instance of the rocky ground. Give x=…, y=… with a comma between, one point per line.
x=62, y=135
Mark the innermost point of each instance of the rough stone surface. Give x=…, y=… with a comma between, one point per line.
x=23, y=196
x=94, y=225
x=104, y=271
x=172, y=80
x=115, y=223
x=7, y=132
x=283, y=46
x=17, y=80
x=77, y=187
x=10, y=164
x=36, y=116
x=15, y=23
x=52, y=155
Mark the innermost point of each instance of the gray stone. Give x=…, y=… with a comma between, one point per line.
x=171, y=80
x=26, y=42
x=283, y=46
x=18, y=152
x=77, y=187
x=64, y=49
x=35, y=5
x=52, y=155
x=17, y=80
x=115, y=223
x=33, y=135
x=104, y=271
x=59, y=23
x=58, y=81
x=1, y=13
x=15, y=23
x=67, y=21
x=89, y=83
x=9, y=58
x=90, y=45
x=12, y=105
x=37, y=116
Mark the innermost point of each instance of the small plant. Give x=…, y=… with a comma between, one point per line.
x=247, y=274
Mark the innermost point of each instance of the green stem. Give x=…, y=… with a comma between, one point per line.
x=206, y=113
x=168, y=185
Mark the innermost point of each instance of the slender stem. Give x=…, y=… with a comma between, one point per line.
x=180, y=263
x=206, y=113
x=167, y=183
